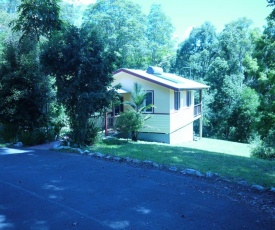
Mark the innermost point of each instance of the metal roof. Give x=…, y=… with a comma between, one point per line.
x=167, y=80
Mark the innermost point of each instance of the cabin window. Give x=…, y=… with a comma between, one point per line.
x=188, y=98
x=177, y=100
x=149, y=100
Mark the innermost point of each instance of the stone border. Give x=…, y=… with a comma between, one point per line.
x=148, y=163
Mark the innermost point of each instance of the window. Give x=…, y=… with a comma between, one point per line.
x=188, y=98
x=177, y=100
x=149, y=100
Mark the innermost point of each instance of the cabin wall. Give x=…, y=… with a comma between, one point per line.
x=157, y=123
x=184, y=134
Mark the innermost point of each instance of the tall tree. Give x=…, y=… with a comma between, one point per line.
x=77, y=58
x=236, y=45
x=196, y=53
x=266, y=75
x=24, y=90
x=37, y=18
x=159, y=36
x=5, y=31
x=122, y=25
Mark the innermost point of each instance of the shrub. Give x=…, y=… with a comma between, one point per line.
x=35, y=137
x=265, y=148
x=8, y=132
x=93, y=133
x=130, y=121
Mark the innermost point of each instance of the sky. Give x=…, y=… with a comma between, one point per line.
x=186, y=14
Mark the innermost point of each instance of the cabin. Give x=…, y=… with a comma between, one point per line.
x=174, y=110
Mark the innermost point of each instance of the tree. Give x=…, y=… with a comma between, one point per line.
x=133, y=120
x=196, y=53
x=265, y=84
x=37, y=18
x=227, y=74
x=271, y=16
x=159, y=36
x=122, y=25
x=77, y=58
x=5, y=31
x=265, y=148
x=24, y=90
x=244, y=116
x=236, y=43
x=264, y=145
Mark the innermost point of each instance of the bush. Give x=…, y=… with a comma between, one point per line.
x=265, y=148
x=130, y=121
x=8, y=133
x=35, y=137
x=93, y=133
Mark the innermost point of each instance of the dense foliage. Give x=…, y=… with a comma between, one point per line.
x=82, y=70
x=37, y=18
x=24, y=90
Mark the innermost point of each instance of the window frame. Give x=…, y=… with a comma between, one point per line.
x=177, y=100
x=151, y=110
x=188, y=98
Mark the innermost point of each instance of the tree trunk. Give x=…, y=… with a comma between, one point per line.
x=134, y=136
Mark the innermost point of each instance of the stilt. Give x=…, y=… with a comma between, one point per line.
x=106, y=124
x=201, y=118
x=201, y=127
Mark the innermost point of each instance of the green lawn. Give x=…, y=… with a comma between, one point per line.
x=220, y=146
x=228, y=159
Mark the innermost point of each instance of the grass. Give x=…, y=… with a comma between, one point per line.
x=230, y=160
x=220, y=146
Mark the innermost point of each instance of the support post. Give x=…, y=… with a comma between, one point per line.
x=201, y=118
x=106, y=123
x=201, y=127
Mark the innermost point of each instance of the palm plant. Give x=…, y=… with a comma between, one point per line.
x=133, y=120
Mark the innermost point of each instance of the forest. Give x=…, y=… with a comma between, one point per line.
x=57, y=60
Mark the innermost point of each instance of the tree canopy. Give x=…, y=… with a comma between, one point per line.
x=37, y=18
x=122, y=25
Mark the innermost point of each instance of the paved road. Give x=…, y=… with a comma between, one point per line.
x=41, y=189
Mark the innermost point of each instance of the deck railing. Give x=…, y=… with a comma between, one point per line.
x=111, y=121
x=197, y=110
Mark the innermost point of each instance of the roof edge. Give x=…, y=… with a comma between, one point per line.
x=156, y=82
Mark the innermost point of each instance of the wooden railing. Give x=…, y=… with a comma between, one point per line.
x=109, y=124
x=197, y=110
x=112, y=122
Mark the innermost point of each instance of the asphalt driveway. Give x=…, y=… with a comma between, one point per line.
x=40, y=189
